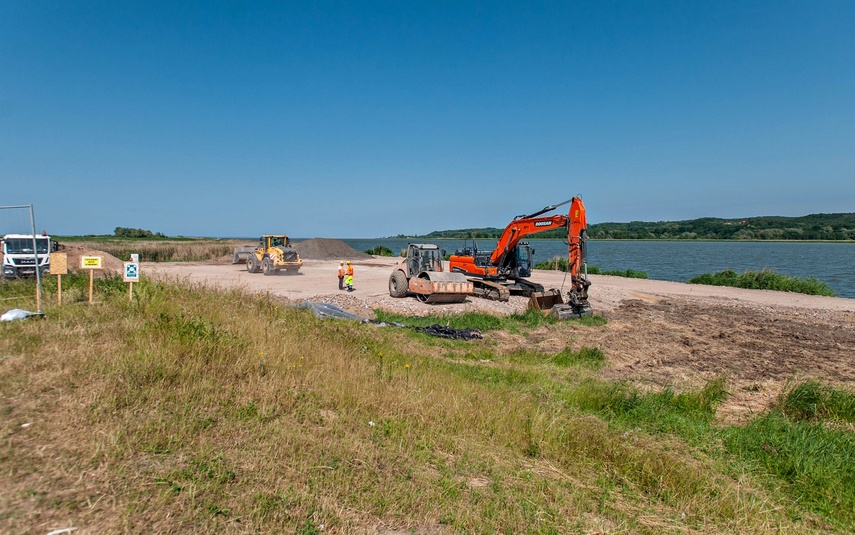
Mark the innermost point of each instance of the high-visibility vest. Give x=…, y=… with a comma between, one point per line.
x=340, y=272
x=349, y=270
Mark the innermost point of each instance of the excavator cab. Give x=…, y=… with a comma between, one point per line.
x=523, y=259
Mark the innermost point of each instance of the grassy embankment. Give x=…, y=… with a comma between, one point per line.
x=765, y=280
x=190, y=409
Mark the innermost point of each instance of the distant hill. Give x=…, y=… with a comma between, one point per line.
x=809, y=227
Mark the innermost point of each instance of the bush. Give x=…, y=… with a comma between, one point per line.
x=380, y=250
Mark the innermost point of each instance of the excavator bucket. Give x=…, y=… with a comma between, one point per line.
x=545, y=300
x=567, y=311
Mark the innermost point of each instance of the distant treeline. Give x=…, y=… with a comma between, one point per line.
x=809, y=227
x=136, y=233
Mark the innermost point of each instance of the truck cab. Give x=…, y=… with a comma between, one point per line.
x=24, y=253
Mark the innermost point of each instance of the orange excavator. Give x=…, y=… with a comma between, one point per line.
x=498, y=273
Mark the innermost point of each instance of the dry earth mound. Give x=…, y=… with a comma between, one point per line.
x=110, y=264
x=328, y=249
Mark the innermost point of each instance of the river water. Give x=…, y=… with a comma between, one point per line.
x=831, y=263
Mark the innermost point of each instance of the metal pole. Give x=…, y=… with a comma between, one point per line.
x=38, y=267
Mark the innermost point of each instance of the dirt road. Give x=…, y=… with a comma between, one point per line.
x=659, y=333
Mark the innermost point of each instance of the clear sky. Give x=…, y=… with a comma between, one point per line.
x=369, y=119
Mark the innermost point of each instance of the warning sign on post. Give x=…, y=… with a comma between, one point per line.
x=132, y=272
x=90, y=262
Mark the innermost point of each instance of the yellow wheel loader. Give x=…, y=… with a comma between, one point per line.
x=272, y=254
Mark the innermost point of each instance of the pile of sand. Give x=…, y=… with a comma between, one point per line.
x=328, y=249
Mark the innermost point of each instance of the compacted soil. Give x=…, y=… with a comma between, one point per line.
x=659, y=334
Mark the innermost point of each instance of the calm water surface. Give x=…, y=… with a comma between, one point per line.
x=831, y=263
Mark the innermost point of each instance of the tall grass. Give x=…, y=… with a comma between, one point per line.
x=811, y=401
x=764, y=280
x=190, y=409
x=160, y=250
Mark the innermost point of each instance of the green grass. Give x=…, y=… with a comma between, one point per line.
x=813, y=464
x=191, y=409
x=485, y=322
x=764, y=280
x=562, y=264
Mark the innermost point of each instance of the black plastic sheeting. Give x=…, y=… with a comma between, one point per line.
x=448, y=332
x=329, y=310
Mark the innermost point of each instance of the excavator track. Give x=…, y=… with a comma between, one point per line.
x=489, y=290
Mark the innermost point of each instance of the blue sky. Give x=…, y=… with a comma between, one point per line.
x=369, y=119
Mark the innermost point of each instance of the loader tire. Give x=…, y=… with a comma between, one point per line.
x=267, y=267
x=252, y=264
x=398, y=284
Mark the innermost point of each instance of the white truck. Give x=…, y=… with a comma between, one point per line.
x=19, y=257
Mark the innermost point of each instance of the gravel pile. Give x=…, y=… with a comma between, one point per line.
x=328, y=249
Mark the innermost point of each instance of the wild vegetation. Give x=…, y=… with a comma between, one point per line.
x=189, y=409
x=560, y=263
x=810, y=227
x=764, y=280
x=157, y=249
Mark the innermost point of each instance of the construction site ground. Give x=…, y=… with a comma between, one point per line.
x=659, y=334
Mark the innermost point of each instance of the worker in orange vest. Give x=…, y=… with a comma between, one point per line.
x=341, y=275
x=348, y=279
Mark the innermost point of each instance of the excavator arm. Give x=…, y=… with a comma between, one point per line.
x=519, y=229
x=575, y=221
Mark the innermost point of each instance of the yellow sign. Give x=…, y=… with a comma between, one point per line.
x=90, y=262
x=59, y=263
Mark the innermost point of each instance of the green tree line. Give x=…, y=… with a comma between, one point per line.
x=123, y=232
x=810, y=227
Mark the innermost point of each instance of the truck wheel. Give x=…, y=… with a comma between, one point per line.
x=252, y=264
x=398, y=284
x=267, y=266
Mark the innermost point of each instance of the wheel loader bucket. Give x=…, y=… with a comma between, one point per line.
x=545, y=300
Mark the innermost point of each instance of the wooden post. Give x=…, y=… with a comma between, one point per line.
x=91, y=263
x=59, y=289
x=130, y=291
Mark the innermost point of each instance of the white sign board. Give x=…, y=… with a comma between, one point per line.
x=132, y=272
